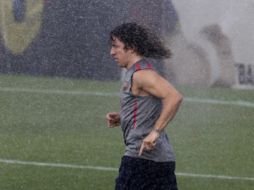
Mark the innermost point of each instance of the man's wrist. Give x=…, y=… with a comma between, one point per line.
x=157, y=130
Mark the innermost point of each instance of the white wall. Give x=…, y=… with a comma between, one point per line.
x=235, y=17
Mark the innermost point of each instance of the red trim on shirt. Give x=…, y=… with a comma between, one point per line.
x=149, y=66
x=137, y=67
x=135, y=113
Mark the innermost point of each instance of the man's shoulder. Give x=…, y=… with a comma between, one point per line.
x=145, y=76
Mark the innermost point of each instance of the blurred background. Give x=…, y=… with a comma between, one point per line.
x=212, y=41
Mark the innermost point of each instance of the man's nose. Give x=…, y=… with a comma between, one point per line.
x=112, y=52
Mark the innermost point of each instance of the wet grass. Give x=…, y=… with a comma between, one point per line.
x=208, y=139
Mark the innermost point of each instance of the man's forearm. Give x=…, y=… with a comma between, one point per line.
x=169, y=110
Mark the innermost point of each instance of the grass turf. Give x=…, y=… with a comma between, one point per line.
x=41, y=124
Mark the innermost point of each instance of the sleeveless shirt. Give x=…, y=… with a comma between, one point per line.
x=138, y=116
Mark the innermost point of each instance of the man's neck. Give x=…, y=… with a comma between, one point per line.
x=134, y=60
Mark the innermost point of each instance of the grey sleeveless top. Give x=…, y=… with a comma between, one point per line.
x=138, y=116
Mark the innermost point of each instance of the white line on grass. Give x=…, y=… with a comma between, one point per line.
x=240, y=103
x=94, y=93
x=57, y=165
x=101, y=168
x=59, y=92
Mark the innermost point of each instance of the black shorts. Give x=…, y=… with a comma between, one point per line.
x=141, y=174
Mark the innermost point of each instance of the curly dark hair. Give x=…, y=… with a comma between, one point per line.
x=141, y=39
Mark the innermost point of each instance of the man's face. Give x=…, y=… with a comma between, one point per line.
x=119, y=53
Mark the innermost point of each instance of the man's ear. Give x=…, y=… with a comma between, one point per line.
x=131, y=49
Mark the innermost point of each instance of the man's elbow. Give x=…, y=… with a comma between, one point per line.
x=178, y=98
x=175, y=98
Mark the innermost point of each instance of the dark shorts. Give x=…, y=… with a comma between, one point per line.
x=141, y=174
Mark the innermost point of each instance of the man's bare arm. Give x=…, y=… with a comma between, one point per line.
x=152, y=83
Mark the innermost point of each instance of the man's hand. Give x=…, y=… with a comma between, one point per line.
x=113, y=119
x=149, y=142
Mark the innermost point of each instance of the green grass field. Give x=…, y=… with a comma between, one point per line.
x=53, y=136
